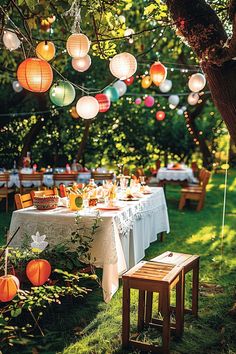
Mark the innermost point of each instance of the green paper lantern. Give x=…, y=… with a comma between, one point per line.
x=112, y=93
x=62, y=93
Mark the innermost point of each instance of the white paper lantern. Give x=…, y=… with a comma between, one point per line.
x=87, y=107
x=81, y=64
x=129, y=32
x=16, y=86
x=172, y=106
x=121, y=87
x=123, y=65
x=193, y=98
x=77, y=45
x=184, y=108
x=180, y=111
x=166, y=86
x=10, y=40
x=173, y=100
x=197, y=82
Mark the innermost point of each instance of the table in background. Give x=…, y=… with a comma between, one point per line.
x=177, y=176
x=118, y=244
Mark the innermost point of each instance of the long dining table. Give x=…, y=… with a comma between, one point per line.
x=118, y=244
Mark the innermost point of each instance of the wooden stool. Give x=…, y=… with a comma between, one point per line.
x=153, y=277
x=189, y=263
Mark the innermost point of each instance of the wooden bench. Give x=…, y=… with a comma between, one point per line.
x=153, y=277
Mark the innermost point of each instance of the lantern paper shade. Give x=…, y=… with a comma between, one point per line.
x=158, y=73
x=112, y=93
x=123, y=65
x=193, y=98
x=129, y=32
x=165, y=86
x=10, y=40
x=146, y=82
x=74, y=113
x=160, y=115
x=77, y=45
x=38, y=271
x=121, y=87
x=17, y=87
x=149, y=101
x=62, y=93
x=9, y=285
x=197, y=82
x=129, y=81
x=138, y=100
x=87, y=107
x=35, y=75
x=180, y=111
x=173, y=100
x=81, y=64
x=45, y=50
x=172, y=106
x=103, y=101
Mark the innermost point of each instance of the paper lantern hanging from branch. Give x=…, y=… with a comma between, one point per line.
x=74, y=113
x=129, y=81
x=173, y=100
x=123, y=65
x=87, y=107
x=197, y=82
x=193, y=98
x=149, y=101
x=112, y=93
x=165, y=86
x=146, y=81
x=138, y=101
x=45, y=50
x=121, y=87
x=16, y=86
x=104, y=102
x=10, y=40
x=77, y=45
x=158, y=73
x=81, y=64
x=35, y=75
x=62, y=93
x=160, y=115
x=38, y=271
x=9, y=285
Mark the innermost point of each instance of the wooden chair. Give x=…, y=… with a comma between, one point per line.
x=102, y=176
x=64, y=177
x=45, y=192
x=139, y=172
x=4, y=190
x=30, y=178
x=197, y=192
x=23, y=201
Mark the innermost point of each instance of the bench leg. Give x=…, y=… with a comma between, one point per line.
x=180, y=305
x=195, y=288
x=141, y=309
x=148, y=312
x=126, y=314
x=182, y=201
x=166, y=321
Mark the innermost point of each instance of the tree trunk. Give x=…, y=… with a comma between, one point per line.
x=80, y=154
x=199, y=24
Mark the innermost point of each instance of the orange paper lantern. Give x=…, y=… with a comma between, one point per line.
x=45, y=50
x=9, y=285
x=35, y=75
x=160, y=115
x=158, y=73
x=146, y=82
x=38, y=271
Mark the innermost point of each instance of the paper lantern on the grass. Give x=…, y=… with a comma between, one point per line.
x=173, y=100
x=123, y=65
x=38, y=271
x=45, y=50
x=74, y=113
x=149, y=101
x=77, y=45
x=9, y=285
x=17, y=87
x=35, y=75
x=10, y=40
x=193, y=98
x=87, y=107
x=158, y=73
x=62, y=93
x=165, y=86
x=138, y=100
x=197, y=82
x=112, y=93
x=103, y=101
x=81, y=64
x=121, y=87
x=129, y=81
x=146, y=82
x=160, y=115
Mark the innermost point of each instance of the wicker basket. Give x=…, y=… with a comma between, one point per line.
x=46, y=202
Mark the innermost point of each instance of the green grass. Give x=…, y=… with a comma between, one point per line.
x=95, y=327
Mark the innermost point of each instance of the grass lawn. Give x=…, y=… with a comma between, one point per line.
x=95, y=327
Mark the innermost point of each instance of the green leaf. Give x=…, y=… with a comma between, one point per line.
x=16, y=312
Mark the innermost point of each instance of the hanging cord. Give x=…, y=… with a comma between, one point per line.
x=224, y=204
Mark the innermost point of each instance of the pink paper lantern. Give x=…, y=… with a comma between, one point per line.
x=160, y=115
x=138, y=101
x=149, y=101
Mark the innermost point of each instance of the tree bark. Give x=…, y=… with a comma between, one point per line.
x=199, y=24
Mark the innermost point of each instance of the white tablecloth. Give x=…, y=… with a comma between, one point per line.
x=175, y=175
x=119, y=243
